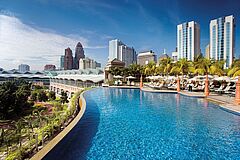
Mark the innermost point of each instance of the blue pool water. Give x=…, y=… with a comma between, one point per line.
x=131, y=124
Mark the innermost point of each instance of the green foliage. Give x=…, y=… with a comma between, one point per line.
x=42, y=96
x=13, y=98
x=51, y=95
x=64, y=98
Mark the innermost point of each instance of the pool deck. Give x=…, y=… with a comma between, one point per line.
x=225, y=102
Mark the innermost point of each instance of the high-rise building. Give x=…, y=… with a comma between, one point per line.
x=174, y=56
x=61, y=62
x=222, y=31
x=23, y=68
x=188, y=40
x=144, y=58
x=79, y=53
x=207, y=51
x=120, y=51
x=85, y=63
x=68, y=59
x=49, y=67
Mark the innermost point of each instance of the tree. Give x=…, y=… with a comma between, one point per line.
x=64, y=98
x=149, y=69
x=166, y=65
x=14, y=98
x=42, y=96
x=51, y=95
x=235, y=69
x=216, y=68
x=34, y=95
x=202, y=65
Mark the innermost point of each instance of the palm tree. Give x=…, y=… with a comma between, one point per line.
x=19, y=126
x=235, y=69
x=166, y=65
x=180, y=67
x=28, y=121
x=202, y=66
x=135, y=70
x=216, y=68
x=150, y=68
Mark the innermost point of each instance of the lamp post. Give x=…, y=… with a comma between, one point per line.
x=141, y=82
x=237, y=96
x=178, y=85
x=206, y=86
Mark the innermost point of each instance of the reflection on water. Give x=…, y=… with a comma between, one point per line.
x=131, y=124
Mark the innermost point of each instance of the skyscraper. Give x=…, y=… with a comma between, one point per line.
x=61, y=62
x=23, y=68
x=207, y=51
x=188, y=40
x=68, y=59
x=79, y=53
x=222, y=31
x=119, y=50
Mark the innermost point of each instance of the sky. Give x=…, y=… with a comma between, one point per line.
x=36, y=32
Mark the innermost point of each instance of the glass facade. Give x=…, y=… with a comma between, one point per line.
x=190, y=41
x=180, y=43
x=213, y=41
x=227, y=43
x=221, y=38
x=185, y=40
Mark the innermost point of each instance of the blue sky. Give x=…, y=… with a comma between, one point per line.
x=143, y=24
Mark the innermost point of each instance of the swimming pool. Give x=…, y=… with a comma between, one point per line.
x=131, y=124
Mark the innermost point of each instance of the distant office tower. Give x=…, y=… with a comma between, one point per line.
x=79, y=53
x=68, y=59
x=222, y=31
x=49, y=67
x=61, y=62
x=144, y=58
x=174, y=56
x=207, y=51
x=23, y=68
x=119, y=50
x=188, y=40
x=85, y=63
x=98, y=65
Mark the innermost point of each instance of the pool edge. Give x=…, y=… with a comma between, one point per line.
x=222, y=105
x=50, y=145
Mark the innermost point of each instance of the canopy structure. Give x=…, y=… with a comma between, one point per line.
x=81, y=77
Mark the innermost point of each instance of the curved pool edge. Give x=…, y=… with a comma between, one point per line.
x=50, y=145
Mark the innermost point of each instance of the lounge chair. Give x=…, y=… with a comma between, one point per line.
x=220, y=89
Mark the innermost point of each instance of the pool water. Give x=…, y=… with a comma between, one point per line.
x=131, y=124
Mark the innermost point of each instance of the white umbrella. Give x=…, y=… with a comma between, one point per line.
x=118, y=77
x=130, y=77
x=149, y=77
x=223, y=78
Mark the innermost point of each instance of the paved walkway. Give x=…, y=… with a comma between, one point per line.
x=224, y=101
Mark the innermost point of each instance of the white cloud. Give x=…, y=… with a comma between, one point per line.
x=21, y=43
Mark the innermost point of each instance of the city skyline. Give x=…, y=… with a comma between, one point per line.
x=142, y=24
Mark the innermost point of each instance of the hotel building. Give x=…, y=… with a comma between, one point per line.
x=188, y=40
x=120, y=51
x=222, y=32
x=144, y=58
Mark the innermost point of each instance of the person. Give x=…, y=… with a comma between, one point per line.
x=190, y=87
